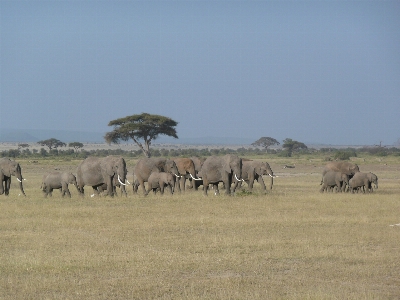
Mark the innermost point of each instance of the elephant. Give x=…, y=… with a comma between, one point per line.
x=145, y=166
x=95, y=172
x=159, y=180
x=58, y=180
x=364, y=181
x=9, y=168
x=186, y=169
x=253, y=170
x=341, y=166
x=221, y=169
x=198, y=163
x=332, y=179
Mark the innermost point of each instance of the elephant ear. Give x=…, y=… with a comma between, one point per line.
x=226, y=166
x=107, y=167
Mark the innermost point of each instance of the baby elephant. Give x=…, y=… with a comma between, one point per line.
x=58, y=180
x=159, y=180
x=363, y=181
x=332, y=179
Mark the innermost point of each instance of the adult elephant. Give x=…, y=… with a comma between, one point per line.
x=345, y=167
x=186, y=169
x=363, y=181
x=58, y=180
x=221, y=169
x=145, y=166
x=95, y=172
x=9, y=168
x=254, y=170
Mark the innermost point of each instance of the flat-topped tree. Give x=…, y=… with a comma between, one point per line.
x=265, y=142
x=23, y=146
x=76, y=145
x=52, y=143
x=144, y=127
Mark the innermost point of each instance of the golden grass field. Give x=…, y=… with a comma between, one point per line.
x=293, y=243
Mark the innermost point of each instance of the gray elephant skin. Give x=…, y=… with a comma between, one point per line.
x=221, y=169
x=116, y=183
x=160, y=180
x=9, y=168
x=341, y=166
x=145, y=166
x=254, y=170
x=95, y=171
x=333, y=179
x=198, y=164
x=58, y=180
x=364, y=181
x=186, y=169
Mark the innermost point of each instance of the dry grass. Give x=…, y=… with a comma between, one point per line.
x=293, y=243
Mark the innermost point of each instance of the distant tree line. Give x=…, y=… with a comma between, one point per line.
x=328, y=153
x=144, y=128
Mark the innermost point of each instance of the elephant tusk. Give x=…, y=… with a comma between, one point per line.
x=177, y=176
x=120, y=181
x=194, y=178
x=128, y=182
x=19, y=180
x=238, y=178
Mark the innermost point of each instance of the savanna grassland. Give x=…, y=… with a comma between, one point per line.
x=293, y=243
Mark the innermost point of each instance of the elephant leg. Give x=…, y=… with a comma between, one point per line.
x=251, y=183
x=7, y=185
x=178, y=184
x=63, y=189
x=141, y=182
x=66, y=191
x=149, y=188
x=260, y=180
x=183, y=182
x=205, y=186
x=190, y=184
x=215, y=188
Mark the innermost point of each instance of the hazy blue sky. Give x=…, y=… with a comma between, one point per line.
x=313, y=71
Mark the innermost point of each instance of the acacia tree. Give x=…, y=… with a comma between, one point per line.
x=265, y=142
x=144, y=127
x=52, y=143
x=76, y=145
x=23, y=146
x=291, y=145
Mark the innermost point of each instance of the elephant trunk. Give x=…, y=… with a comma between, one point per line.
x=19, y=178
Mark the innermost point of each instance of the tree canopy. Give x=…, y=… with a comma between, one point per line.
x=292, y=145
x=75, y=145
x=265, y=142
x=52, y=143
x=144, y=127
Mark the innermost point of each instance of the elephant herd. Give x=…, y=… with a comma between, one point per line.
x=346, y=176
x=107, y=174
